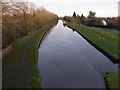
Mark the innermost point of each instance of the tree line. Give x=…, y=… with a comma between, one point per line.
x=22, y=18
x=92, y=20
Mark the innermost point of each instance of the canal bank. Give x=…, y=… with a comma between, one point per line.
x=92, y=35
x=67, y=60
x=20, y=65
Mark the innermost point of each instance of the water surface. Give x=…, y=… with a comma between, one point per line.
x=67, y=60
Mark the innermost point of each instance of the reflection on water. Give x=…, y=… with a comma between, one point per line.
x=67, y=60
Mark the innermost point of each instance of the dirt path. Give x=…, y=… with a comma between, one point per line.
x=23, y=66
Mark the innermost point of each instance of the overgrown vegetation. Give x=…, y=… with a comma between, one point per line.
x=20, y=66
x=109, y=44
x=93, y=21
x=111, y=79
x=22, y=18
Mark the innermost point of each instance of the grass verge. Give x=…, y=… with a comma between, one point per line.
x=20, y=66
x=111, y=79
x=108, y=45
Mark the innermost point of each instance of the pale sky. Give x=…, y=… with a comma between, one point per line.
x=103, y=8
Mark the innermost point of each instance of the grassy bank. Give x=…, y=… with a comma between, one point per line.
x=109, y=45
x=20, y=66
x=111, y=80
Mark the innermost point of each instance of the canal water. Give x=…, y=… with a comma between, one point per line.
x=67, y=60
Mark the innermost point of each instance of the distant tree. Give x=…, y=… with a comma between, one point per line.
x=118, y=23
x=113, y=22
x=74, y=15
x=91, y=14
x=65, y=18
x=82, y=15
x=82, y=19
x=91, y=19
x=78, y=16
x=98, y=22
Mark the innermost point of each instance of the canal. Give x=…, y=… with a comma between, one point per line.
x=67, y=60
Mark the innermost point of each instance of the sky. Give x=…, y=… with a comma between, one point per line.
x=103, y=8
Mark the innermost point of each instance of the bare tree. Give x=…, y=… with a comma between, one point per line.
x=20, y=18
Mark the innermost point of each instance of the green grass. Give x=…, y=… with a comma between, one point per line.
x=109, y=44
x=111, y=80
x=20, y=66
